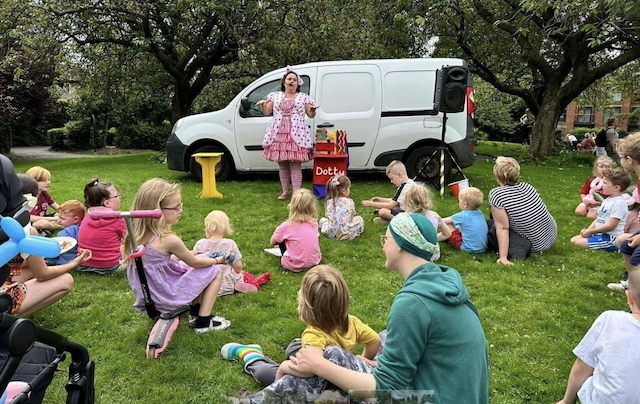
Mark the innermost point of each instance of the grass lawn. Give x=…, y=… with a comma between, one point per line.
x=533, y=313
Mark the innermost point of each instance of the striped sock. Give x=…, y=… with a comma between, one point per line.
x=247, y=353
x=296, y=175
x=285, y=175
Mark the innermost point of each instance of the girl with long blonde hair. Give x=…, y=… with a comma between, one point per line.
x=194, y=280
x=298, y=236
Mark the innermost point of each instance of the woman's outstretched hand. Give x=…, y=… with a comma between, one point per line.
x=504, y=261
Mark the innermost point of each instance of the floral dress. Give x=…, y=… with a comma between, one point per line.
x=341, y=222
x=288, y=137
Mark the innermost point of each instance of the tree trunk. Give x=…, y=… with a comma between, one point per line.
x=543, y=132
x=181, y=102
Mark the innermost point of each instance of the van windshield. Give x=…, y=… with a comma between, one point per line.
x=261, y=93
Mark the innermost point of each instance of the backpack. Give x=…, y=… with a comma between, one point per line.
x=601, y=138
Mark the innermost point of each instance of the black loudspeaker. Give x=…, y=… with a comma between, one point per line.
x=451, y=89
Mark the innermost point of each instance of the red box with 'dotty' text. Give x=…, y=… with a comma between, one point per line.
x=326, y=166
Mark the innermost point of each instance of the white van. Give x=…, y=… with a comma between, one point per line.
x=386, y=107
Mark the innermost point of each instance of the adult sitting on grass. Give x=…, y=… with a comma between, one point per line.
x=521, y=222
x=434, y=338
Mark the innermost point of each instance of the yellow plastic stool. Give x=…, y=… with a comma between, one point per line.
x=208, y=162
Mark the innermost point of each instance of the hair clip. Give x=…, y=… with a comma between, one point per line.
x=96, y=182
x=335, y=181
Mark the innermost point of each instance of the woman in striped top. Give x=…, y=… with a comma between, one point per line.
x=517, y=206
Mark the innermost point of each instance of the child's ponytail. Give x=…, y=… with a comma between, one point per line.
x=96, y=192
x=335, y=185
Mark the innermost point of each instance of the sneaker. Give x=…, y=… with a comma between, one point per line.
x=232, y=350
x=246, y=353
x=380, y=221
x=274, y=251
x=192, y=320
x=621, y=286
x=214, y=325
x=375, y=212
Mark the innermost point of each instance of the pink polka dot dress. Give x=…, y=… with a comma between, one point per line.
x=288, y=137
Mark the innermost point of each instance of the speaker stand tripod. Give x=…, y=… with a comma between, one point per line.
x=441, y=150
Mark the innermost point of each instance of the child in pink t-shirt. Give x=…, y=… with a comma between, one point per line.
x=298, y=237
x=103, y=237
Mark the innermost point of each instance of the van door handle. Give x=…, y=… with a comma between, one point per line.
x=325, y=125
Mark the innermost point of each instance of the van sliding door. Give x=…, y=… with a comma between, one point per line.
x=349, y=98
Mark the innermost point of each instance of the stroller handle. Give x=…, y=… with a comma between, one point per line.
x=154, y=214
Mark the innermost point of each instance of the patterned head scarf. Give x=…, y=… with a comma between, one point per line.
x=415, y=234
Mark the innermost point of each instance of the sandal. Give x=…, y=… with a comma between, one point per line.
x=283, y=195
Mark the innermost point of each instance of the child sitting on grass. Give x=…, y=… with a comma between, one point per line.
x=387, y=208
x=297, y=239
x=102, y=236
x=340, y=221
x=608, y=357
x=469, y=227
x=612, y=213
x=70, y=215
x=40, y=219
x=628, y=150
x=589, y=204
x=418, y=200
x=323, y=304
x=172, y=284
x=216, y=227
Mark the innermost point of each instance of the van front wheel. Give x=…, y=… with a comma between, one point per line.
x=419, y=157
x=224, y=169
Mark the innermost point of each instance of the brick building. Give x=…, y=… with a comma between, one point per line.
x=589, y=117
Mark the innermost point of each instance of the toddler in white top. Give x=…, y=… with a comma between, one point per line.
x=217, y=226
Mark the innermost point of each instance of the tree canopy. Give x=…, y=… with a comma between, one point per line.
x=545, y=52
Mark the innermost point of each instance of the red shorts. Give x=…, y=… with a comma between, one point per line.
x=456, y=239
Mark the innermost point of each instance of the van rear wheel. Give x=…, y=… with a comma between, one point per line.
x=224, y=169
x=419, y=157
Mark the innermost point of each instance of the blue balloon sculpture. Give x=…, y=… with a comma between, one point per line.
x=18, y=242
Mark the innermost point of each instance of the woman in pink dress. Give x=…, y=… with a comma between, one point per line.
x=288, y=140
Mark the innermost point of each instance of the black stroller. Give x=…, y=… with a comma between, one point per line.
x=24, y=344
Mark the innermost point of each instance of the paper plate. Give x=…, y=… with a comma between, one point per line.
x=66, y=243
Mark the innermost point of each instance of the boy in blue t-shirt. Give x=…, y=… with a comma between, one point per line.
x=70, y=214
x=469, y=227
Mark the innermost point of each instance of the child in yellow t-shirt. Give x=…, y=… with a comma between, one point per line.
x=323, y=304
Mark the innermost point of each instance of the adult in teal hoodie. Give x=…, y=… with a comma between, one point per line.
x=434, y=338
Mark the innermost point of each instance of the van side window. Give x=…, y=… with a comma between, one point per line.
x=261, y=93
x=347, y=93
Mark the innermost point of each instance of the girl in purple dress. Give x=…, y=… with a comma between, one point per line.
x=288, y=140
x=173, y=282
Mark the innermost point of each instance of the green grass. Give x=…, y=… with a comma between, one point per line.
x=533, y=313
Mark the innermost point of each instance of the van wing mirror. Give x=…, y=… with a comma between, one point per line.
x=245, y=106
